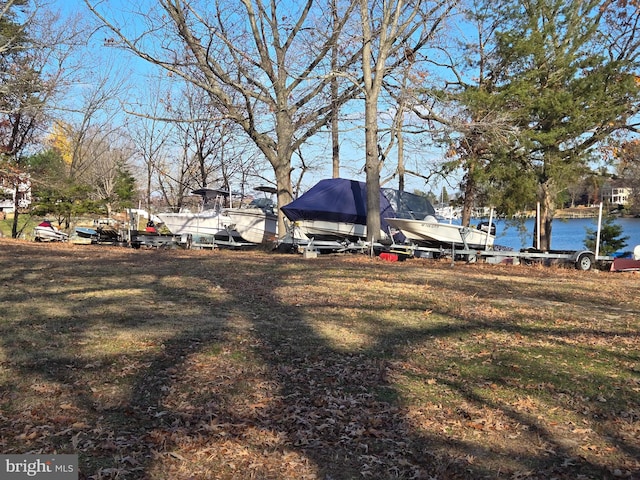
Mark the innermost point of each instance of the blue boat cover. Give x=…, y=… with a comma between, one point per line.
x=342, y=200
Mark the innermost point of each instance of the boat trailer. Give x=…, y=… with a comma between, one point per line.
x=143, y=239
x=581, y=259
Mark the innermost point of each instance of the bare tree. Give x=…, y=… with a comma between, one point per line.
x=387, y=28
x=87, y=123
x=35, y=66
x=111, y=155
x=151, y=131
x=263, y=63
x=175, y=173
x=400, y=91
x=209, y=140
x=90, y=116
x=194, y=146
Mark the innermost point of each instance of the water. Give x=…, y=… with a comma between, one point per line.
x=567, y=234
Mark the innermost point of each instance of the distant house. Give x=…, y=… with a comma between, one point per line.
x=8, y=192
x=617, y=194
x=620, y=195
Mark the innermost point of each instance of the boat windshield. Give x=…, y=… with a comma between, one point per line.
x=262, y=203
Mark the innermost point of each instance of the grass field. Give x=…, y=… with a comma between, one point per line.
x=154, y=364
x=26, y=224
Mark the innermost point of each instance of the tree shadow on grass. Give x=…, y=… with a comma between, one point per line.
x=213, y=375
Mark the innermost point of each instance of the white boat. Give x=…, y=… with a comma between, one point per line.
x=205, y=223
x=337, y=231
x=430, y=232
x=335, y=209
x=210, y=221
x=258, y=221
x=46, y=232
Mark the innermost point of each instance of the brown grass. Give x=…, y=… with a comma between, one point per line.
x=178, y=364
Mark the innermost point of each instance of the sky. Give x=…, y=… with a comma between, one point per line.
x=352, y=145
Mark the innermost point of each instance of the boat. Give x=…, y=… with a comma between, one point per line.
x=336, y=210
x=84, y=232
x=627, y=264
x=210, y=221
x=46, y=232
x=429, y=232
x=257, y=222
x=84, y=236
x=102, y=234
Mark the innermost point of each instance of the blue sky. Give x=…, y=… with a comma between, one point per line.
x=352, y=150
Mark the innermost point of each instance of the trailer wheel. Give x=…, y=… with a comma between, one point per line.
x=585, y=261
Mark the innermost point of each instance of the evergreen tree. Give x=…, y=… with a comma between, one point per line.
x=566, y=72
x=125, y=188
x=444, y=196
x=54, y=192
x=12, y=33
x=610, y=240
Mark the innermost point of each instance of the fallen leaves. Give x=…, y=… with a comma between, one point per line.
x=234, y=365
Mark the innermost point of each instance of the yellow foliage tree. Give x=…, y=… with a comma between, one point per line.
x=61, y=138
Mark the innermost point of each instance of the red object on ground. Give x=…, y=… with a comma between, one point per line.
x=389, y=257
x=625, y=265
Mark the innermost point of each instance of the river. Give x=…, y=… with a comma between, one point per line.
x=569, y=234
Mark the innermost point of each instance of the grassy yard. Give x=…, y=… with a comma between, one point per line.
x=156, y=364
x=26, y=224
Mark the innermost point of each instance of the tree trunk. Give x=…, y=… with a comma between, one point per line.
x=547, y=209
x=401, y=169
x=280, y=160
x=335, y=104
x=469, y=194
x=372, y=81
x=335, y=142
x=14, y=227
x=372, y=169
x=284, y=196
x=149, y=179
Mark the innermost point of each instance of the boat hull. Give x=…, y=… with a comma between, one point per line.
x=430, y=233
x=206, y=223
x=84, y=232
x=335, y=231
x=253, y=224
x=49, y=234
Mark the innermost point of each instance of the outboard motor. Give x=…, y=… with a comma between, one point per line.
x=484, y=226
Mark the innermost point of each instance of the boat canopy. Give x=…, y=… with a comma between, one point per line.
x=340, y=200
x=208, y=193
x=408, y=205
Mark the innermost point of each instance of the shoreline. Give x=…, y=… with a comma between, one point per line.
x=575, y=212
